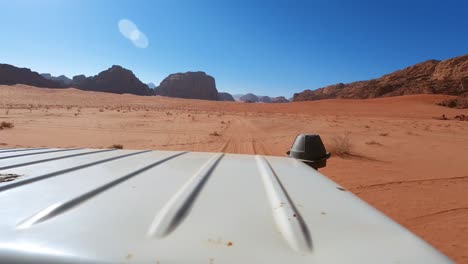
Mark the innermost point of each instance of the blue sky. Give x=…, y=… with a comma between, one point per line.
x=266, y=47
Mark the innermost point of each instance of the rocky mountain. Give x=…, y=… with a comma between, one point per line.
x=225, y=97
x=264, y=99
x=192, y=85
x=151, y=85
x=280, y=99
x=113, y=80
x=429, y=77
x=250, y=98
x=10, y=75
x=64, y=80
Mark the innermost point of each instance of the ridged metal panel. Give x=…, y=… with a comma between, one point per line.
x=129, y=206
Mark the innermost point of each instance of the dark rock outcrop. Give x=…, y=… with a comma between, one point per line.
x=64, y=80
x=460, y=102
x=225, y=97
x=113, y=80
x=250, y=98
x=264, y=99
x=192, y=85
x=429, y=77
x=10, y=75
x=280, y=99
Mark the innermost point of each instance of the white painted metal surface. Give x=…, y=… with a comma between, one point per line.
x=123, y=206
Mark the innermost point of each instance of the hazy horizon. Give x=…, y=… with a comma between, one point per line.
x=260, y=47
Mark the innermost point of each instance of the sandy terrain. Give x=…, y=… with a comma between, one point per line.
x=409, y=165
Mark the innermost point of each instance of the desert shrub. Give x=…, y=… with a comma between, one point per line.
x=373, y=142
x=117, y=146
x=442, y=117
x=5, y=124
x=384, y=134
x=101, y=110
x=215, y=133
x=340, y=145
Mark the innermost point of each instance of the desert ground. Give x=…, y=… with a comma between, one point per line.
x=401, y=157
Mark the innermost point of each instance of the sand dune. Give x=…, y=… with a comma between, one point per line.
x=403, y=161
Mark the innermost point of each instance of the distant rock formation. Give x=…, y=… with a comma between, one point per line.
x=250, y=98
x=429, y=77
x=237, y=96
x=264, y=99
x=113, y=80
x=64, y=80
x=10, y=75
x=225, y=97
x=192, y=85
x=151, y=85
x=280, y=99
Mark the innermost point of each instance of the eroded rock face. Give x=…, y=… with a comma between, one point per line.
x=250, y=97
x=113, y=80
x=10, y=75
x=192, y=85
x=429, y=77
x=225, y=97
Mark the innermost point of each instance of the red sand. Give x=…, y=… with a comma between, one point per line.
x=409, y=165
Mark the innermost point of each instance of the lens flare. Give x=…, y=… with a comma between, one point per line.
x=130, y=31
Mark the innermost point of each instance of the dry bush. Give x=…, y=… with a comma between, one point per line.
x=411, y=133
x=340, y=145
x=384, y=134
x=101, y=110
x=443, y=117
x=373, y=142
x=461, y=117
x=5, y=125
x=117, y=146
x=216, y=134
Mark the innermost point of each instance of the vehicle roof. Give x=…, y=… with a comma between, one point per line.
x=132, y=206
